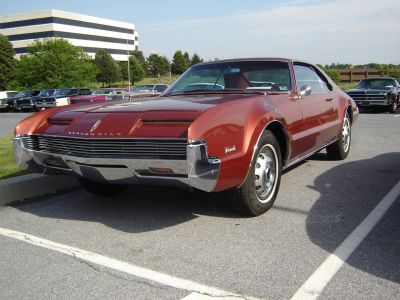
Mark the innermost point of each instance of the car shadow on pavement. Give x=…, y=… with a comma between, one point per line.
x=138, y=209
x=348, y=193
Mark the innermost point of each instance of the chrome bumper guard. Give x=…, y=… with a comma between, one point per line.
x=197, y=171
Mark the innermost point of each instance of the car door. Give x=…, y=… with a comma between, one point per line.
x=319, y=109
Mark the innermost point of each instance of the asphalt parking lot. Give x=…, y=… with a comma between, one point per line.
x=194, y=237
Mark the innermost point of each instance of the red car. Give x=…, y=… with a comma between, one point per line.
x=227, y=126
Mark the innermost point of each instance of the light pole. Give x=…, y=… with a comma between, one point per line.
x=129, y=72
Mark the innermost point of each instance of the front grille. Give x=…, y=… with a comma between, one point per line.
x=23, y=101
x=363, y=96
x=174, y=149
x=47, y=100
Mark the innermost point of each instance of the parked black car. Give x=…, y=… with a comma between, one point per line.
x=28, y=103
x=374, y=92
x=60, y=98
x=8, y=103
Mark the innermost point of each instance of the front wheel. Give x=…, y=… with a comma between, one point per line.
x=341, y=148
x=259, y=191
x=101, y=189
x=393, y=107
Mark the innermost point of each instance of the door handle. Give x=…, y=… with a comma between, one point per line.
x=328, y=99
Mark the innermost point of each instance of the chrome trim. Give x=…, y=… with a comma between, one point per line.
x=308, y=154
x=197, y=171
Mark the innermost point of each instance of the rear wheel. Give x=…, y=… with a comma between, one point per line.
x=101, y=189
x=259, y=191
x=341, y=148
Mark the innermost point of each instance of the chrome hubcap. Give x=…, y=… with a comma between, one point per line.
x=346, y=135
x=265, y=173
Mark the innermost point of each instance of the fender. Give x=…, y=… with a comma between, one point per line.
x=232, y=137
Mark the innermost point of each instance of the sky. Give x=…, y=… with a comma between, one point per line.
x=318, y=31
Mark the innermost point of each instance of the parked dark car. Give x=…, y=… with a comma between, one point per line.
x=61, y=97
x=256, y=118
x=150, y=88
x=377, y=92
x=98, y=95
x=8, y=103
x=28, y=103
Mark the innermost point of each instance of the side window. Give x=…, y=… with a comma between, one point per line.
x=84, y=92
x=306, y=76
x=160, y=88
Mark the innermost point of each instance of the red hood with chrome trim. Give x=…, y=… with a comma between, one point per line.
x=158, y=117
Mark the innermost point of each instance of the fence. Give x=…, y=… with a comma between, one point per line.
x=355, y=75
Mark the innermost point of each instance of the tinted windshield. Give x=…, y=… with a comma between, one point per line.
x=242, y=75
x=23, y=94
x=46, y=93
x=102, y=92
x=377, y=83
x=66, y=92
x=143, y=88
x=20, y=94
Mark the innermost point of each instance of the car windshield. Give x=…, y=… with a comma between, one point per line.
x=46, y=93
x=102, y=92
x=244, y=76
x=377, y=83
x=66, y=92
x=23, y=94
x=143, y=88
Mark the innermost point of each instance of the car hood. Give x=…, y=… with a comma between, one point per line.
x=160, y=117
x=384, y=90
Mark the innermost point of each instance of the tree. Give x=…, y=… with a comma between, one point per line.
x=187, y=58
x=333, y=74
x=123, y=65
x=195, y=60
x=136, y=70
x=55, y=63
x=179, y=63
x=141, y=59
x=7, y=62
x=108, y=70
x=157, y=65
x=139, y=56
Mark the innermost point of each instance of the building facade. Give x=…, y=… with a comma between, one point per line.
x=89, y=33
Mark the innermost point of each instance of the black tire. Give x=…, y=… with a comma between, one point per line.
x=101, y=189
x=341, y=148
x=393, y=107
x=258, y=193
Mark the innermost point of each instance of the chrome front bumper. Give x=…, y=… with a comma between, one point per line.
x=197, y=171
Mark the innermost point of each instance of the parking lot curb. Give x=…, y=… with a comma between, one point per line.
x=33, y=185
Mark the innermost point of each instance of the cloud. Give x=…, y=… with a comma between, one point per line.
x=296, y=29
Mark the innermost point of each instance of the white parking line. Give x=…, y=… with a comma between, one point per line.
x=314, y=285
x=161, y=278
x=396, y=116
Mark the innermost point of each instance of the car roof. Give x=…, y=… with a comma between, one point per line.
x=375, y=78
x=251, y=59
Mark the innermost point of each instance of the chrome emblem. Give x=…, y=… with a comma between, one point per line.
x=230, y=149
x=95, y=126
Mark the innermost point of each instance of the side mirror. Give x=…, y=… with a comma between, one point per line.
x=305, y=90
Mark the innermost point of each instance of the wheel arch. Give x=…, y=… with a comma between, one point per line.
x=280, y=133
